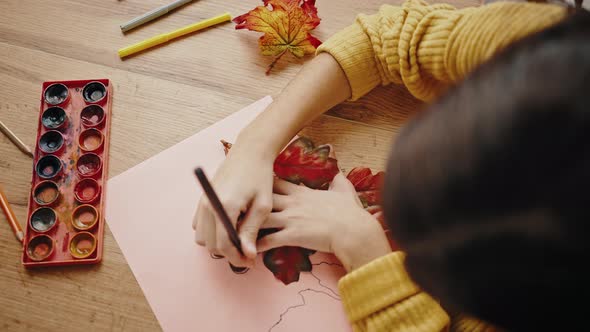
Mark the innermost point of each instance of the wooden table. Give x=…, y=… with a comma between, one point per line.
x=160, y=97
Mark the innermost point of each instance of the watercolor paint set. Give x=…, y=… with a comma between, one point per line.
x=65, y=223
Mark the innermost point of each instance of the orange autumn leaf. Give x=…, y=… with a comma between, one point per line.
x=286, y=25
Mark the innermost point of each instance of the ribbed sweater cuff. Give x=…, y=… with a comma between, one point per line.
x=352, y=49
x=375, y=286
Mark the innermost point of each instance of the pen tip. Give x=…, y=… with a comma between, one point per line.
x=20, y=236
x=199, y=171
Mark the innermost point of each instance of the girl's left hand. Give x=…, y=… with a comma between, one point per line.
x=332, y=221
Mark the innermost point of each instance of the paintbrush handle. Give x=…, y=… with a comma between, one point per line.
x=20, y=144
x=218, y=207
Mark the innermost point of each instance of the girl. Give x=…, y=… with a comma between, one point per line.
x=481, y=189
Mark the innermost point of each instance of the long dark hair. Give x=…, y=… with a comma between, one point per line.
x=487, y=191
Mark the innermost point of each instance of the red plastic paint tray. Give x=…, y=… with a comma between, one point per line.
x=65, y=222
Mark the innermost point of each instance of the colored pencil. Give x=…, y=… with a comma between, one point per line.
x=166, y=37
x=218, y=207
x=18, y=232
x=22, y=146
x=153, y=14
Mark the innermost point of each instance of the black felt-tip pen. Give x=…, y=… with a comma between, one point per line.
x=218, y=207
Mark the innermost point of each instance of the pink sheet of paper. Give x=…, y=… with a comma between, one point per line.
x=149, y=211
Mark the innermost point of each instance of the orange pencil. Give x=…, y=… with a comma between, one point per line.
x=18, y=232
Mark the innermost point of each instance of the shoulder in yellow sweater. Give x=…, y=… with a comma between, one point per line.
x=428, y=47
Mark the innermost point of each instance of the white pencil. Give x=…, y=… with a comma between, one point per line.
x=152, y=15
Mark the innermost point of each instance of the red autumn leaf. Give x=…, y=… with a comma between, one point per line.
x=302, y=162
x=367, y=185
x=286, y=263
x=286, y=25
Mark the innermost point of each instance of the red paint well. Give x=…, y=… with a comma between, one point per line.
x=89, y=164
x=92, y=116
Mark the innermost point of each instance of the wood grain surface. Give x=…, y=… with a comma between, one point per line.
x=160, y=97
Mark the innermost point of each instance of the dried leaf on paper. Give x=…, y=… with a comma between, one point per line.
x=367, y=185
x=303, y=162
x=286, y=263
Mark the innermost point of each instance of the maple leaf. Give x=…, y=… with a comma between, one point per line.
x=302, y=162
x=315, y=167
x=286, y=263
x=286, y=25
x=367, y=185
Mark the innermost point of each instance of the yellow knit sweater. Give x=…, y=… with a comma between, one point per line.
x=426, y=48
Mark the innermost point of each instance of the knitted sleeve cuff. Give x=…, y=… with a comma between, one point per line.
x=375, y=286
x=352, y=49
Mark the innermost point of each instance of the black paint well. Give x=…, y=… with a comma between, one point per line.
x=53, y=117
x=48, y=167
x=94, y=92
x=43, y=219
x=56, y=94
x=51, y=142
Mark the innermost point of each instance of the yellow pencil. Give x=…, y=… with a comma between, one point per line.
x=166, y=37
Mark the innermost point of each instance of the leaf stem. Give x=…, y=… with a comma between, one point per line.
x=274, y=62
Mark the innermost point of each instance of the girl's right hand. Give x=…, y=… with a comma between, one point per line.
x=244, y=186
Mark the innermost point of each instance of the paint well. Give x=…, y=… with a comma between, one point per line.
x=92, y=116
x=86, y=190
x=84, y=217
x=46, y=193
x=40, y=247
x=56, y=94
x=94, y=92
x=48, y=167
x=90, y=140
x=82, y=245
x=53, y=117
x=89, y=164
x=51, y=142
x=43, y=219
